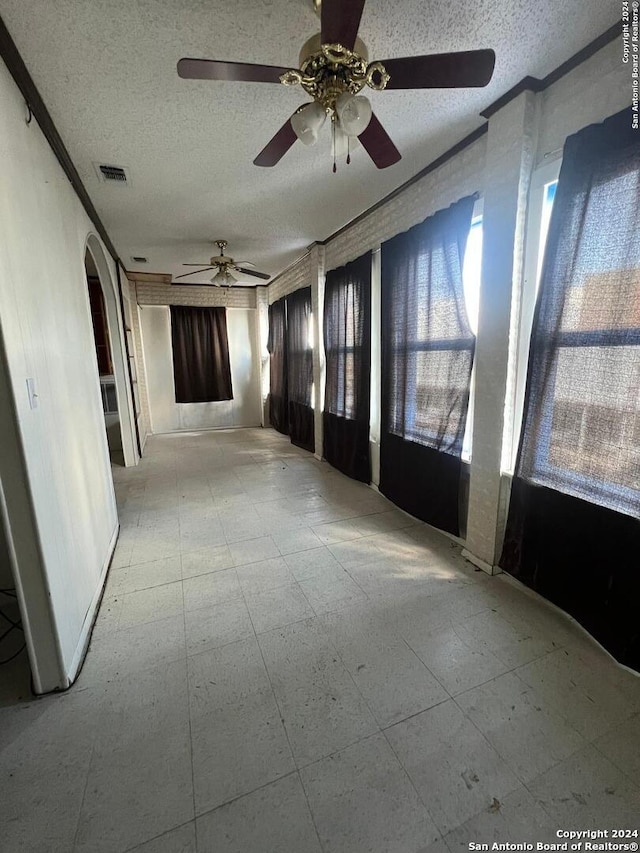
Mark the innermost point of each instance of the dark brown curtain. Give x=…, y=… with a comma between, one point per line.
x=573, y=532
x=277, y=346
x=201, y=368
x=427, y=355
x=347, y=342
x=300, y=369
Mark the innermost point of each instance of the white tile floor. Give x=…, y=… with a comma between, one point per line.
x=284, y=663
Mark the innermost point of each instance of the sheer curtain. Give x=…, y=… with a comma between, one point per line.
x=201, y=369
x=347, y=341
x=573, y=532
x=427, y=355
x=277, y=347
x=300, y=368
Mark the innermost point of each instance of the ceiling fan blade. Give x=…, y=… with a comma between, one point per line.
x=379, y=145
x=195, y=265
x=194, y=272
x=441, y=70
x=255, y=273
x=212, y=69
x=277, y=146
x=340, y=21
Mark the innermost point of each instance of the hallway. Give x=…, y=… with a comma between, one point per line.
x=285, y=663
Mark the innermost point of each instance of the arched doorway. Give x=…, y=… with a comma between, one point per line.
x=108, y=330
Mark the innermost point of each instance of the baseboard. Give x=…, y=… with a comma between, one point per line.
x=481, y=564
x=90, y=618
x=192, y=430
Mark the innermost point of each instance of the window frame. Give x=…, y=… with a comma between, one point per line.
x=523, y=310
x=477, y=218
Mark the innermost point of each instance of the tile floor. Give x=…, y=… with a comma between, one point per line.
x=284, y=663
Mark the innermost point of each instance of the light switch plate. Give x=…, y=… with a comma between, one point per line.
x=31, y=390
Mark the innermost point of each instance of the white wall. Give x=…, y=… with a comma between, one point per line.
x=166, y=414
x=6, y=575
x=60, y=451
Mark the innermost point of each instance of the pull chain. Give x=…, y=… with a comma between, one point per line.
x=333, y=133
x=348, y=150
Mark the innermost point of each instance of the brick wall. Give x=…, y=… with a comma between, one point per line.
x=460, y=176
x=204, y=297
x=296, y=276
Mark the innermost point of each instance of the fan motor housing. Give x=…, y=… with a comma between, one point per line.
x=314, y=45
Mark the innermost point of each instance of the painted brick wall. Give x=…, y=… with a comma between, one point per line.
x=296, y=276
x=204, y=297
x=510, y=153
x=460, y=176
x=598, y=88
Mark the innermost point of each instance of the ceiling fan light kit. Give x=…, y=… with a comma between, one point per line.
x=354, y=113
x=223, y=279
x=334, y=69
x=307, y=121
x=223, y=264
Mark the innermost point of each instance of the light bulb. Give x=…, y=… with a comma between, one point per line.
x=307, y=122
x=354, y=113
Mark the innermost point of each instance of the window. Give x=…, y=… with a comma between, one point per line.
x=300, y=368
x=344, y=310
x=278, y=372
x=582, y=408
x=200, y=348
x=347, y=339
x=430, y=343
x=427, y=354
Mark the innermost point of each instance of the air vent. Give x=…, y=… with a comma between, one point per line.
x=110, y=174
x=113, y=173
x=138, y=259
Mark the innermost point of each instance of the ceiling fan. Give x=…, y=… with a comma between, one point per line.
x=223, y=264
x=334, y=69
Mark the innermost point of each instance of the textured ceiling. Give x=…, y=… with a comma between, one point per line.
x=107, y=71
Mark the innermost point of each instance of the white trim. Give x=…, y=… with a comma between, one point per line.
x=117, y=346
x=481, y=564
x=467, y=438
x=197, y=430
x=90, y=618
x=522, y=319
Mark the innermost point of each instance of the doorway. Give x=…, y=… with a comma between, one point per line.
x=111, y=353
x=104, y=357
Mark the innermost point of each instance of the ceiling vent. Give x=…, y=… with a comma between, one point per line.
x=110, y=174
x=138, y=259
